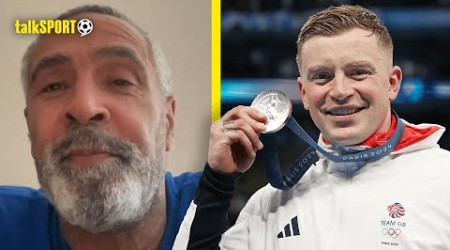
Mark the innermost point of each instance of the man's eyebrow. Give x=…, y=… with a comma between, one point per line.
x=312, y=70
x=48, y=62
x=366, y=64
x=119, y=52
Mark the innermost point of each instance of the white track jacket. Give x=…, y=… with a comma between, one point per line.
x=401, y=201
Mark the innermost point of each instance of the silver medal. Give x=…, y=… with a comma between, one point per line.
x=276, y=106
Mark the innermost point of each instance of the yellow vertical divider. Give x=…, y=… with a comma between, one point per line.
x=215, y=59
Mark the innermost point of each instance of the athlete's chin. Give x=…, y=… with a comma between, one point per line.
x=345, y=136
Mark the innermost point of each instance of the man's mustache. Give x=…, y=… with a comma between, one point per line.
x=92, y=139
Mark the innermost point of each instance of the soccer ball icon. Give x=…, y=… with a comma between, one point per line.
x=85, y=27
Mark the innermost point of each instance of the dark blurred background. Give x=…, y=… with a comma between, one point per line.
x=258, y=53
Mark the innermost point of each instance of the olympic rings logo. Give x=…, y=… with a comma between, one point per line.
x=391, y=232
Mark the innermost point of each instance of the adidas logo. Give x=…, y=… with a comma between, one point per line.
x=291, y=229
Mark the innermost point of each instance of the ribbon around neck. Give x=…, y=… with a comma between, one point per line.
x=299, y=167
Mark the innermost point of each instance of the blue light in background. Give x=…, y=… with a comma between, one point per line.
x=243, y=91
x=412, y=91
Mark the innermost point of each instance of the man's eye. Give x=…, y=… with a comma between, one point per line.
x=122, y=83
x=360, y=73
x=53, y=87
x=322, y=77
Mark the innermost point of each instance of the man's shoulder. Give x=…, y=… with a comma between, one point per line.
x=21, y=194
x=186, y=180
x=23, y=202
x=431, y=154
x=180, y=190
x=264, y=199
x=25, y=213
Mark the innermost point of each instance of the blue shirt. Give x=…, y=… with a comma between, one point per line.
x=29, y=221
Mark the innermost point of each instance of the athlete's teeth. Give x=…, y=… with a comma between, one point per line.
x=344, y=111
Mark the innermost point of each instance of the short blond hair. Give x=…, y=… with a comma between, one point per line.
x=338, y=19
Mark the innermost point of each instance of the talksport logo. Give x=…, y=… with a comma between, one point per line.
x=41, y=27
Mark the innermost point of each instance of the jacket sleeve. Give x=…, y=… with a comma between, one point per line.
x=249, y=230
x=207, y=216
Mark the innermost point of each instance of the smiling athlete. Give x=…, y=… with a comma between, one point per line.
x=347, y=83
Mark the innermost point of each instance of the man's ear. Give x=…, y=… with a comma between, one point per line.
x=303, y=93
x=395, y=79
x=170, y=122
x=25, y=113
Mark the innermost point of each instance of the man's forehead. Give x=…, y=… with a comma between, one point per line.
x=350, y=35
x=351, y=44
x=111, y=39
x=109, y=32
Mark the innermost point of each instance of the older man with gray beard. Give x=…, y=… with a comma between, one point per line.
x=100, y=114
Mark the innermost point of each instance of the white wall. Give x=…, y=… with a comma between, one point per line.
x=183, y=29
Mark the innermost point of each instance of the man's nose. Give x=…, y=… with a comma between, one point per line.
x=86, y=104
x=341, y=89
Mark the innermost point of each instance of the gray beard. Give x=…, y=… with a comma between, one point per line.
x=111, y=197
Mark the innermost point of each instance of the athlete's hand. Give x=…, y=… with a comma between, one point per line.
x=234, y=140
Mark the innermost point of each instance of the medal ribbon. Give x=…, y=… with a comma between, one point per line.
x=309, y=157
